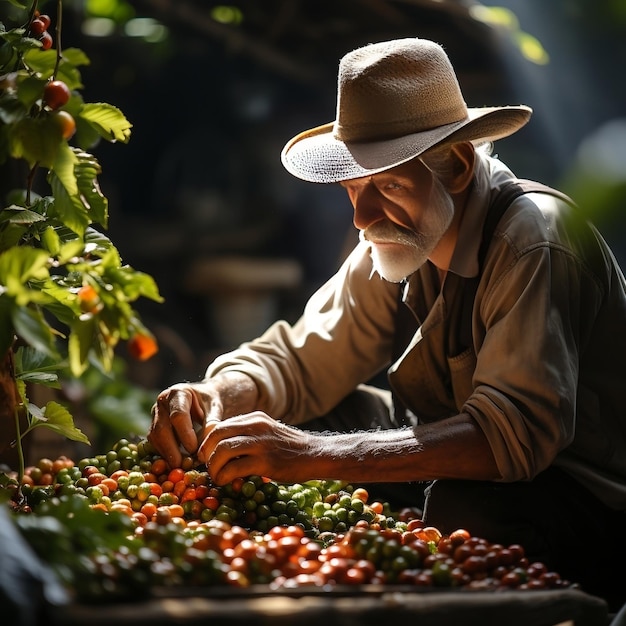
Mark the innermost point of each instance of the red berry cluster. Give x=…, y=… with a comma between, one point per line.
x=56, y=93
x=39, y=30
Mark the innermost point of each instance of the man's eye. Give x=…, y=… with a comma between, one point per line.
x=393, y=186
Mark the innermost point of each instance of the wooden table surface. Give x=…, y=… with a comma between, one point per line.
x=347, y=608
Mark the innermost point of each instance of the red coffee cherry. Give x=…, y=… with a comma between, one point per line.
x=45, y=19
x=37, y=27
x=46, y=40
x=65, y=122
x=55, y=94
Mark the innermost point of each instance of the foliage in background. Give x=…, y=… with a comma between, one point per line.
x=115, y=407
x=529, y=46
x=66, y=298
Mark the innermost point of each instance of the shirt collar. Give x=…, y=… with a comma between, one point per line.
x=489, y=174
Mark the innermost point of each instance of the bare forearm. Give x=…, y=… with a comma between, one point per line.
x=238, y=394
x=255, y=443
x=453, y=448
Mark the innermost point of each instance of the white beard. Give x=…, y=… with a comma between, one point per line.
x=405, y=251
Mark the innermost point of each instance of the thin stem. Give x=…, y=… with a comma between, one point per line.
x=31, y=15
x=18, y=444
x=16, y=418
x=58, y=35
x=31, y=12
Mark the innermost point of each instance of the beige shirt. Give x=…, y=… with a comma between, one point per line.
x=544, y=375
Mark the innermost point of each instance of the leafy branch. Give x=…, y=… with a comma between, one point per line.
x=66, y=298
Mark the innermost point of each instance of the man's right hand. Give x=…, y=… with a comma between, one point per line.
x=183, y=413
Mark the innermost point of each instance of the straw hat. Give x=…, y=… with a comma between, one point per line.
x=395, y=100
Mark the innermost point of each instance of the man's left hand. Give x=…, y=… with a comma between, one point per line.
x=254, y=444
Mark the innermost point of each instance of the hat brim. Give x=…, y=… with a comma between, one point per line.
x=317, y=156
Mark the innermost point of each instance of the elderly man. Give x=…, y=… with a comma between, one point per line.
x=495, y=308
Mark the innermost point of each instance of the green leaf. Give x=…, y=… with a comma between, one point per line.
x=51, y=241
x=135, y=284
x=35, y=140
x=42, y=378
x=98, y=241
x=15, y=35
x=61, y=302
x=86, y=170
x=67, y=72
x=31, y=326
x=68, y=204
x=19, y=265
x=43, y=62
x=108, y=121
x=15, y=223
x=11, y=235
x=29, y=361
x=76, y=57
x=11, y=109
x=40, y=61
x=59, y=419
x=110, y=259
x=30, y=90
x=64, y=169
x=69, y=250
x=22, y=4
x=19, y=215
x=86, y=135
x=37, y=203
x=7, y=54
x=127, y=411
x=73, y=179
x=82, y=335
x=7, y=333
x=66, y=530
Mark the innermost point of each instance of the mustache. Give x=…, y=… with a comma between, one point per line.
x=388, y=232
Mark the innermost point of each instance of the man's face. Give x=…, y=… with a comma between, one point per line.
x=403, y=212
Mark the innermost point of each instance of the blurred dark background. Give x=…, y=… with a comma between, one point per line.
x=199, y=199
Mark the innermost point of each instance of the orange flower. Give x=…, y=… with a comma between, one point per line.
x=142, y=347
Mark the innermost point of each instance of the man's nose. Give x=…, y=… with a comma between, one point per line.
x=367, y=208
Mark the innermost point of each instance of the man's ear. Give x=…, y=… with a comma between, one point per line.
x=464, y=156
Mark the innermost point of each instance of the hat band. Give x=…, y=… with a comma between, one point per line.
x=381, y=131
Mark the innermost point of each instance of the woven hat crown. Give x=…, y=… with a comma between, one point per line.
x=396, y=88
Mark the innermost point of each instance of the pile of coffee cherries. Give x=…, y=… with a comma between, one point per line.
x=164, y=526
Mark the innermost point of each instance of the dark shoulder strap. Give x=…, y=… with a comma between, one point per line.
x=503, y=199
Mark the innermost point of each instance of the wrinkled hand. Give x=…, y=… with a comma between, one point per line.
x=183, y=413
x=178, y=411
x=255, y=444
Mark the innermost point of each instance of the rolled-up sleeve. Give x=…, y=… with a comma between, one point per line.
x=342, y=339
